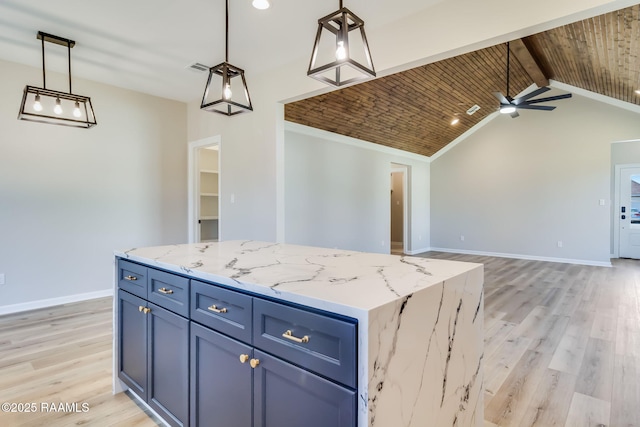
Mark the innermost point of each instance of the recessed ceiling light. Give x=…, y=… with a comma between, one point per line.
x=261, y=4
x=455, y=121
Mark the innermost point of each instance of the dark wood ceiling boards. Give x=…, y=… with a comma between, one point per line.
x=413, y=110
x=598, y=54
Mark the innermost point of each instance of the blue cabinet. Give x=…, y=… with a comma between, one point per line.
x=288, y=396
x=132, y=336
x=221, y=383
x=153, y=341
x=168, y=365
x=204, y=355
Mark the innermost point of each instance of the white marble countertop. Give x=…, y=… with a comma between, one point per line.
x=341, y=281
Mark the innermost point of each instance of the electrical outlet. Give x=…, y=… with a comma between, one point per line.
x=1, y=278
x=601, y=202
x=233, y=198
x=559, y=243
x=461, y=238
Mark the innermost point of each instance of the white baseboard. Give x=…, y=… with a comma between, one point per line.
x=527, y=257
x=418, y=251
x=43, y=303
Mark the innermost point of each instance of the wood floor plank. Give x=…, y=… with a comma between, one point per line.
x=625, y=399
x=595, y=377
x=549, y=405
x=587, y=411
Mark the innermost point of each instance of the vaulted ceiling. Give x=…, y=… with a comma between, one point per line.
x=413, y=110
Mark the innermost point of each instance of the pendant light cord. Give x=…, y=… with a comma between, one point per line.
x=508, y=55
x=226, y=34
x=44, y=75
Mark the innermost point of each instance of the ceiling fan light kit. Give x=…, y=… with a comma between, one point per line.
x=341, y=52
x=509, y=105
x=226, y=91
x=43, y=105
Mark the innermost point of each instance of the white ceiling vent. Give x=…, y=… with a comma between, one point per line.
x=473, y=109
x=196, y=66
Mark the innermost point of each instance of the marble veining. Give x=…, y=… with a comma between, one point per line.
x=420, y=321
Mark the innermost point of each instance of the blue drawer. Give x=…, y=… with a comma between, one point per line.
x=319, y=343
x=132, y=278
x=169, y=291
x=226, y=311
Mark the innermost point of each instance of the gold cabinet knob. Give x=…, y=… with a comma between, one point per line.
x=254, y=363
x=244, y=358
x=146, y=310
x=140, y=308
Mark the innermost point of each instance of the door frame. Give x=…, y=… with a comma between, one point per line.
x=194, y=188
x=616, y=208
x=405, y=170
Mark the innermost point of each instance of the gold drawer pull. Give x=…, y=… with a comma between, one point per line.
x=146, y=310
x=165, y=291
x=130, y=278
x=216, y=309
x=289, y=335
x=254, y=363
x=244, y=358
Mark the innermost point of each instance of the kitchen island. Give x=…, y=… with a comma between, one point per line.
x=402, y=344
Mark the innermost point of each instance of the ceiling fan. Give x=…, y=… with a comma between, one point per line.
x=509, y=105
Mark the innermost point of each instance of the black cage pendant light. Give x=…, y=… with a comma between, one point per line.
x=341, y=53
x=43, y=105
x=226, y=91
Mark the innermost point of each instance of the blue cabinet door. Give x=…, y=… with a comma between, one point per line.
x=168, y=349
x=221, y=385
x=132, y=333
x=287, y=396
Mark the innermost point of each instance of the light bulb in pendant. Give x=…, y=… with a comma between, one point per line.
x=37, y=106
x=226, y=93
x=76, y=110
x=58, y=108
x=341, y=52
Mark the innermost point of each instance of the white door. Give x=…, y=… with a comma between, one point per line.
x=629, y=214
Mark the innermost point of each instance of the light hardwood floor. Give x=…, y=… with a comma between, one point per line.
x=562, y=348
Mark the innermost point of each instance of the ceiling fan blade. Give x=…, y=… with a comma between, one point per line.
x=514, y=115
x=533, y=94
x=551, y=98
x=536, y=107
x=501, y=98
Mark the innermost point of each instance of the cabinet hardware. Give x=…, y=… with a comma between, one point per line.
x=146, y=310
x=216, y=309
x=140, y=308
x=289, y=335
x=254, y=363
x=165, y=291
x=131, y=278
x=244, y=358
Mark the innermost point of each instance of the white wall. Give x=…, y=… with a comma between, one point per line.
x=69, y=197
x=337, y=194
x=518, y=186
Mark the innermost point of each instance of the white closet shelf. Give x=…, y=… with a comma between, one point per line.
x=208, y=218
x=209, y=194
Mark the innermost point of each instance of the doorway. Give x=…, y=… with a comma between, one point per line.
x=628, y=210
x=204, y=190
x=399, y=209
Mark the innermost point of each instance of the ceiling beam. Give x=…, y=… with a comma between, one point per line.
x=529, y=62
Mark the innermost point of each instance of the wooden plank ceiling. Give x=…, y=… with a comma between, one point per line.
x=413, y=110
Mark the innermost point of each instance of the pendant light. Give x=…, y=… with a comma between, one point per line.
x=226, y=91
x=338, y=58
x=43, y=105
